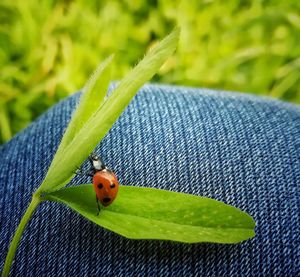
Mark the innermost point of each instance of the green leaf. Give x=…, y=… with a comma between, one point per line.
x=93, y=96
x=147, y=213
x=100, y=122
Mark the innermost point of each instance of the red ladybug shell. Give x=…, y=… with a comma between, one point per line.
x=106, y=186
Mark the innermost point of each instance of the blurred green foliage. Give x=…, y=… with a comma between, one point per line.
x=49, y=48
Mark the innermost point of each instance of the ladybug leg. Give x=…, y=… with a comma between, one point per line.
x=98, y=205
x=79, y=171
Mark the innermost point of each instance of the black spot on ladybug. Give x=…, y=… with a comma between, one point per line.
x=106, y=199
x=112, y=186
x=100, y=186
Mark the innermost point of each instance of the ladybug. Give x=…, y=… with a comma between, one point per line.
x=105, y=182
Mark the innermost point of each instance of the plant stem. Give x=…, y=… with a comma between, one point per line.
x=36, y=199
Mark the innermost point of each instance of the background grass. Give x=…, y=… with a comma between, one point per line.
x=49, y=48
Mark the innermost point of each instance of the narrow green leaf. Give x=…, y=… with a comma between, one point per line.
x=99, y=123
x=147, y=213
x=93, y=96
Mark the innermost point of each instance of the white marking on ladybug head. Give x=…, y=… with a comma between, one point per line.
x=97, y=164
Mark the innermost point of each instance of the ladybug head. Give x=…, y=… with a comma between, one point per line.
x=96, y=162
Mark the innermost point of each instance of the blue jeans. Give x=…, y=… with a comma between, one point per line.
x=240, y=149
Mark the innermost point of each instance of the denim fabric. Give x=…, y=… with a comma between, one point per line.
x=240, y=149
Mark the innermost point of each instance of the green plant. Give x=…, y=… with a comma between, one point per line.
x=173, y=216
x=147, y=213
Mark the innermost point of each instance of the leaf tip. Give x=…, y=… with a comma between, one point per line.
x=173, y=37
